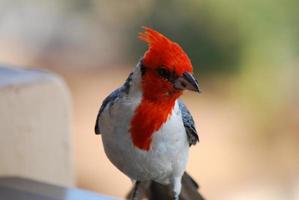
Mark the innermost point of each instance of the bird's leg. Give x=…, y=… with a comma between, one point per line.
x=175, y=197
x=135, y=191
x=176, y=188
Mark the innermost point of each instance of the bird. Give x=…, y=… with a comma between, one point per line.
x=146, y=128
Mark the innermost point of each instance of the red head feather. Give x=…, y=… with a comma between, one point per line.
x=159, y=95
x=164, y=52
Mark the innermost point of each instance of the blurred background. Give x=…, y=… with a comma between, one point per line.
x=245, y=55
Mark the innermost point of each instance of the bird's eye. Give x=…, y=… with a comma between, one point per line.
x=164, y=73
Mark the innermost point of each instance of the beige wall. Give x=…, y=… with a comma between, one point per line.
x=35, y=126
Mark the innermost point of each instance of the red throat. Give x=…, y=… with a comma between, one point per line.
x=157, y=102
x=149, y=117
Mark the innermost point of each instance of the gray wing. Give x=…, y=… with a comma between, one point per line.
x=188, y=124
x=109, y=100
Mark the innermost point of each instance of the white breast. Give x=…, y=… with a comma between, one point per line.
x=168, y=155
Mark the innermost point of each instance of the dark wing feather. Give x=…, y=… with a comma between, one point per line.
x=109, y=100
x=189, y=124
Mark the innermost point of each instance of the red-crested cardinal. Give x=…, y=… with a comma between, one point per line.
x=146, y=130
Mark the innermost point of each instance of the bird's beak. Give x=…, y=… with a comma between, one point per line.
x=187, y=82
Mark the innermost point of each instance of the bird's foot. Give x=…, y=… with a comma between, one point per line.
x=135, y=191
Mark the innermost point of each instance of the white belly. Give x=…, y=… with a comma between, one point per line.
x=165, y=160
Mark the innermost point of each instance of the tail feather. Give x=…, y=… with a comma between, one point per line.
x=156, y=191
x=190, y=189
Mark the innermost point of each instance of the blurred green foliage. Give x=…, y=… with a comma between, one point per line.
x=211, y=41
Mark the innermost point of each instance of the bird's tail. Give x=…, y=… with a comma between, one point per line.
x=156, y=191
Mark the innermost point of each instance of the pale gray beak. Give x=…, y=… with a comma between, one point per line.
x=187, y=82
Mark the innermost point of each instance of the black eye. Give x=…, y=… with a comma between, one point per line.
x=164, y=73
